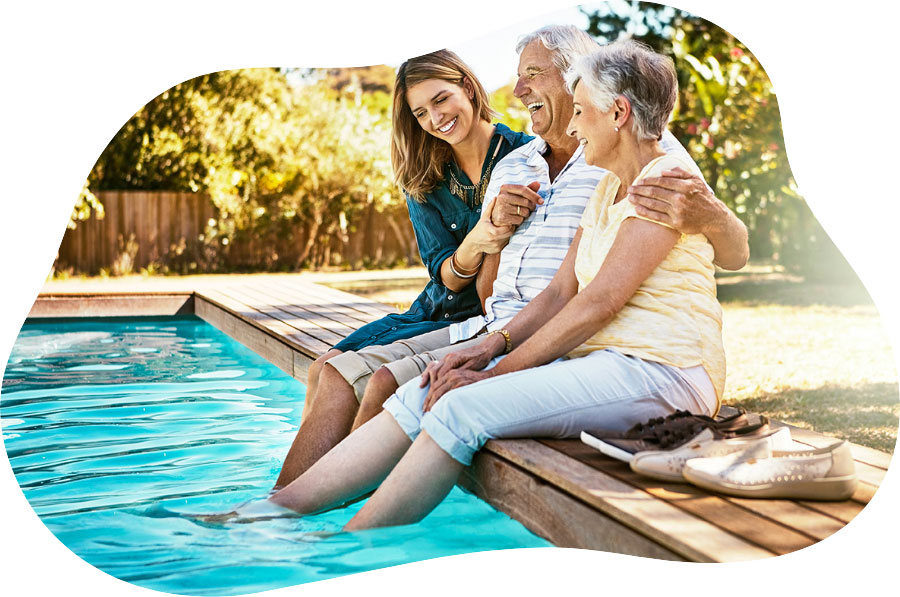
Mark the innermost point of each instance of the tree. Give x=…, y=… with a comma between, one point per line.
x=286, y=161
x=727, y=118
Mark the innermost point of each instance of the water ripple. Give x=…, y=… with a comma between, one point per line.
x=123, y=432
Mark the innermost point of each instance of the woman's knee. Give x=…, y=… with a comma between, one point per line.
x=464, y=412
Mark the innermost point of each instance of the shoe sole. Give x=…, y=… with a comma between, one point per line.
x=605, y=448
x=827, y=489
x=658, y=476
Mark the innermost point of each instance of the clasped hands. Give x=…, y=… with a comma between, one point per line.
x=460, y=368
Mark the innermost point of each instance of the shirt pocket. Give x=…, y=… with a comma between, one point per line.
x=459, y=222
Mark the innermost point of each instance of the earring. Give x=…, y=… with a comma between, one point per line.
x=617, y=129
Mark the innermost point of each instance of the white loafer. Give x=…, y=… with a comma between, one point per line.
x=828, y=473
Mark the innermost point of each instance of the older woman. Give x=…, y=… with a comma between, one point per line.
x=629, y=328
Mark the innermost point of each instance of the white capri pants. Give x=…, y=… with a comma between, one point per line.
x=603, y=390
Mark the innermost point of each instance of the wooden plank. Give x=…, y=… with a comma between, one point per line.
x=274, y=298
x=162, y=227
x=348, y=318
x=340, y=297
x=301, y=367
x=811, y=522
x=663, y=523
x=364, y=308
x=312, y=297
x=303, y=342
x=551, y=513
x=266, y=345
x=843, y=511
x=778, y=538
x=298, y=323
x=112, y=305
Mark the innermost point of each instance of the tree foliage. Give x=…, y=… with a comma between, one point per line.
x=728, y=119
x=297, y=157
x=276, y=153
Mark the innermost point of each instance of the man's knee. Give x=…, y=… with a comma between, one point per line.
x=315, y=369
x=335, y=395
x=380, y=387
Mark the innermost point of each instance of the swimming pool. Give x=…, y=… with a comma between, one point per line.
x=118, y=430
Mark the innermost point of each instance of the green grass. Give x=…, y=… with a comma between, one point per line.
x=812, y=354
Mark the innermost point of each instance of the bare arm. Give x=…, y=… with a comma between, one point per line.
x=550, y=301
x=683, y=201
x=560, y=318
x=484, y=283
x=483, y=240
x=640, y=246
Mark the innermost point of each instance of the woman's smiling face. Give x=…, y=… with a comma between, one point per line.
x=442, y=108
x=593, y=127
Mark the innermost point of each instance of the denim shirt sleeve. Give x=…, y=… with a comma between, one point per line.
x=436, y=243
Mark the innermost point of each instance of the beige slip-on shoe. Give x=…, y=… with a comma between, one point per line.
x=827, y=473
x=667, y=465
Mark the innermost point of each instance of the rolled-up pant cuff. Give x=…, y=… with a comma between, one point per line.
x=447, y=440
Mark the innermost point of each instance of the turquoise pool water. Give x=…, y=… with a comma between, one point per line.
x=118, y=430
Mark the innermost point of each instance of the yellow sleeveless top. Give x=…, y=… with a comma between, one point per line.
x=674, y=317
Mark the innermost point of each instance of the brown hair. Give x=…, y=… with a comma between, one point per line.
x=417, y=157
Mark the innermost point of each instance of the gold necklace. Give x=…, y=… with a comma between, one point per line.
x=462, y=190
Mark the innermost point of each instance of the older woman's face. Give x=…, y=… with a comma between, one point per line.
x=594, y=128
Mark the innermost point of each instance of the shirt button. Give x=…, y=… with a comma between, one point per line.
x=446, y=315
x=453, y=226
x=449, y=297
x=394, y=329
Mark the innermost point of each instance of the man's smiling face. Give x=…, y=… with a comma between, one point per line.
x=541, y=88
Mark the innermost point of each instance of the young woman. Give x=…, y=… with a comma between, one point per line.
x=443, y=150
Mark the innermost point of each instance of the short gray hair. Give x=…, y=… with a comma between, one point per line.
x=566, y=42
x=629, y=68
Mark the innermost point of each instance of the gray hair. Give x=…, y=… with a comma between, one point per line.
x=566, y=42
x=631, y=69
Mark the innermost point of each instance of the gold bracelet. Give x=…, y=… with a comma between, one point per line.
x=456, y=267
x=459, y=274
x=506, y=338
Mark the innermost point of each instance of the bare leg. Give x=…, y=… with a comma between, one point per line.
x=312, y=380
x=414, y=488
x=380, y=387
x=354, y=467
x=328, y=421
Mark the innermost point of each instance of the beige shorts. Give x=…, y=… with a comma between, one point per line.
x=405, y=359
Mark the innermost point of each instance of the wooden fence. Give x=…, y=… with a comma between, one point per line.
x=167, y=231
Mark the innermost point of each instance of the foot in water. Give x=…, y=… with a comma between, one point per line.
x=250, y=511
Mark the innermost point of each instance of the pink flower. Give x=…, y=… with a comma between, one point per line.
x=710, y=143
x=705, y=123
x=773, y=146
x=692, y=129
x=736, y=53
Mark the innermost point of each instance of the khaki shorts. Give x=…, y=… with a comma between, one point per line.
x=405, y=359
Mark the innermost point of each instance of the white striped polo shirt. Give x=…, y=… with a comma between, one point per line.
x=539, y=246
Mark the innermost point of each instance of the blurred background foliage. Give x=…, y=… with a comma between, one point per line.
x=283, y=150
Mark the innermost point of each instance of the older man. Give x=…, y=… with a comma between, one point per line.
x=542, y=188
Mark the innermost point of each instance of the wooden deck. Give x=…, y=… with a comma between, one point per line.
x=562, y=490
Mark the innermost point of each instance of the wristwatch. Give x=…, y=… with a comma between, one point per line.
x=506, y=338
